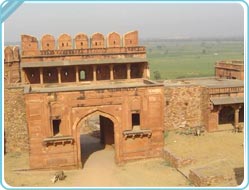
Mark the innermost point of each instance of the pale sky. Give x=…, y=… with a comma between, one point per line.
x=152, y=20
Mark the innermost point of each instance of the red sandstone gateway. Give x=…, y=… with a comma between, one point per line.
x=65, y=86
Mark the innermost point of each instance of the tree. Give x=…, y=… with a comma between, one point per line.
x=157, y=75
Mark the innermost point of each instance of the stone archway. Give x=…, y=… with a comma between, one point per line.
x=108, y=134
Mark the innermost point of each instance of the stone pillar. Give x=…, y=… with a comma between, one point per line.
x=148, y=71
x=145, y=71
x=59, y=75
x=236, y=117
x=94, y=73
x=128, y=71
x=111, y=72
x=77, y=74
x=23, y=78
x=41, y=75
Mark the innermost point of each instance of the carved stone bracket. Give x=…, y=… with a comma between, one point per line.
x=58, y=140
x=137, y=133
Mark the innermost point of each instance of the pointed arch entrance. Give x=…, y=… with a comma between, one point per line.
x=108, y=135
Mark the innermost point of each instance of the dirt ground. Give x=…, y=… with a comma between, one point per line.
x=222, y=151
x=100, y=170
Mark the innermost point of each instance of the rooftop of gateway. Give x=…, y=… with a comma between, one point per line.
x=48, y=88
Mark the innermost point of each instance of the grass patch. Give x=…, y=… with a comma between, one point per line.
x=166, y=134
x=190, y=58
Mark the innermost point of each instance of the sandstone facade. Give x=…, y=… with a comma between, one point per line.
x=73, y=107
x=64, y=86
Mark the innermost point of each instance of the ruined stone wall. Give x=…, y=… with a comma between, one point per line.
x=185, y=106
x=230, y=69
x=15, y=127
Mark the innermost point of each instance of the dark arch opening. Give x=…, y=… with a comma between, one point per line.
x=226, y=115
x=96, y=134
x=241, y=114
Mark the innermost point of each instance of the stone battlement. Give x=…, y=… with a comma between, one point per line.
x=11, y=54
x=81, y=43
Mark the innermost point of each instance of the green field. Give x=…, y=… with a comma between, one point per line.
x=190, y=58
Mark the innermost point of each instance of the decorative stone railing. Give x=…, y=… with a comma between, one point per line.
x=90, y=51
x=226, y=90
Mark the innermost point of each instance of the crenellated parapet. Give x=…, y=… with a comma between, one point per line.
x=11, y=54
x=11, y=65
x=113, y=40
x=48, y=42
x=81, y=41
x=82, y=59
x=32, y=47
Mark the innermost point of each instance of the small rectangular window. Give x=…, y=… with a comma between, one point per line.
x=56, y=126
x=135, y=119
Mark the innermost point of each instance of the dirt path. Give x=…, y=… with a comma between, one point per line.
x=99, y=170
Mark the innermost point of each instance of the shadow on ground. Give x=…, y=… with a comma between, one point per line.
x=89, y=145
x=239, y=175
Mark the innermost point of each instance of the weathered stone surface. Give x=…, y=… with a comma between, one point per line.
x=185, y=106
x=15, y=126
x=211, y=175
x=48, y=42
x=64, y=42
x=113, y=40
x=29, y=45
x=176, y=161
x=72, y=108
x=81, y=41
x=11, y=65
x=130, y=39
x=97, y=40
x=230, y=69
